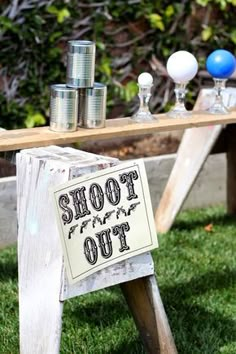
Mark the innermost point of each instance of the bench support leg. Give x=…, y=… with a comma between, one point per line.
x=144, y=301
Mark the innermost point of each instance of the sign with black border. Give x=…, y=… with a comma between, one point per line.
x=104, y=217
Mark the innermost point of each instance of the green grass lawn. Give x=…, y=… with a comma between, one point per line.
x=196, y=272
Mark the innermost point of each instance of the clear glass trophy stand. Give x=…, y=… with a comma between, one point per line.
x=145, y=83
x=181, y=66
x=218, y=106
x=143, y=114
x=179, y=110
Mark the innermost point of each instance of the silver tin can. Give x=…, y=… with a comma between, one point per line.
x=63, y=108
x=80, y=64
x=92, y=106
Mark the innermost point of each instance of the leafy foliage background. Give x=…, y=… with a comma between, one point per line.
x=131, y=36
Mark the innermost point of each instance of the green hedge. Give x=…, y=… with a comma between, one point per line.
x=131, y=36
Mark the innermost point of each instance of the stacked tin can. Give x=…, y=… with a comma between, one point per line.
x=81, y=102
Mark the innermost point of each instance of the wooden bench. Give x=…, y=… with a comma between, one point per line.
x=146, y=306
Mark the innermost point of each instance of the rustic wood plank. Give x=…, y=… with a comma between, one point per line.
x=39, y=258
x=196, y=145
x=42, y=136
x=143, y=298
x=231, y=169
x=130, y=269
x=42, y=279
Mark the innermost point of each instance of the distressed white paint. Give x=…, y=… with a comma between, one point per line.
x=133, y=268
x=39, y=280
x=41, y=272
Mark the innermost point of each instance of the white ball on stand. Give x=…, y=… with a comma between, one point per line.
x=182, y=66
x=145, y=82
x=145, y=79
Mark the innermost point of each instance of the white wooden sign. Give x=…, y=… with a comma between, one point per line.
x=104, y=218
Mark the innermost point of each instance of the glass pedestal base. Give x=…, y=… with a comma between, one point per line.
x=179, y=113
x=179, y=110
x=217, y=109
x=143, y=117
x=218, y=106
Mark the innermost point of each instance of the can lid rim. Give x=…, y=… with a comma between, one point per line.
x=62, y=87
x=80, y=42
x=98, y=85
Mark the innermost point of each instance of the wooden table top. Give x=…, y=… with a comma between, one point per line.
x=120, y=127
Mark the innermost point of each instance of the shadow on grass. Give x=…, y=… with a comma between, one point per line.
x=8, y=266
x=133, y=347
x=196, y=329
x=200, y=285
x=102, y=311
x=200, y=219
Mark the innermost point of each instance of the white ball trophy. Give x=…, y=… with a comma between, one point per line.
x=145, y=83
x=181, y=66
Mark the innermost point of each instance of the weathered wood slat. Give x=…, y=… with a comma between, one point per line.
x=143, y=298
x=196, y=145
x=42, y=281
x=34, y=137
x=39, y=258
x=139, y=266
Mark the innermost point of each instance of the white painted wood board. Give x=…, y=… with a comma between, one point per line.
x=42, y=280
x=133, y=268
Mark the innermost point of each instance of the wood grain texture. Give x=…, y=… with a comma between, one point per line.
x=121, y=127
x=196, y=145
x=143, y=298
x=130, y=269
x=42, y=277
x=39, y=257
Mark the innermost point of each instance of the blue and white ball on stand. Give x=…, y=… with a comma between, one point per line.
x=220, y=64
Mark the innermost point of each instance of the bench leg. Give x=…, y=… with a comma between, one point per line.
x=144, y=301
x=193, y=151
x=40, y=259
x=40, y=312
